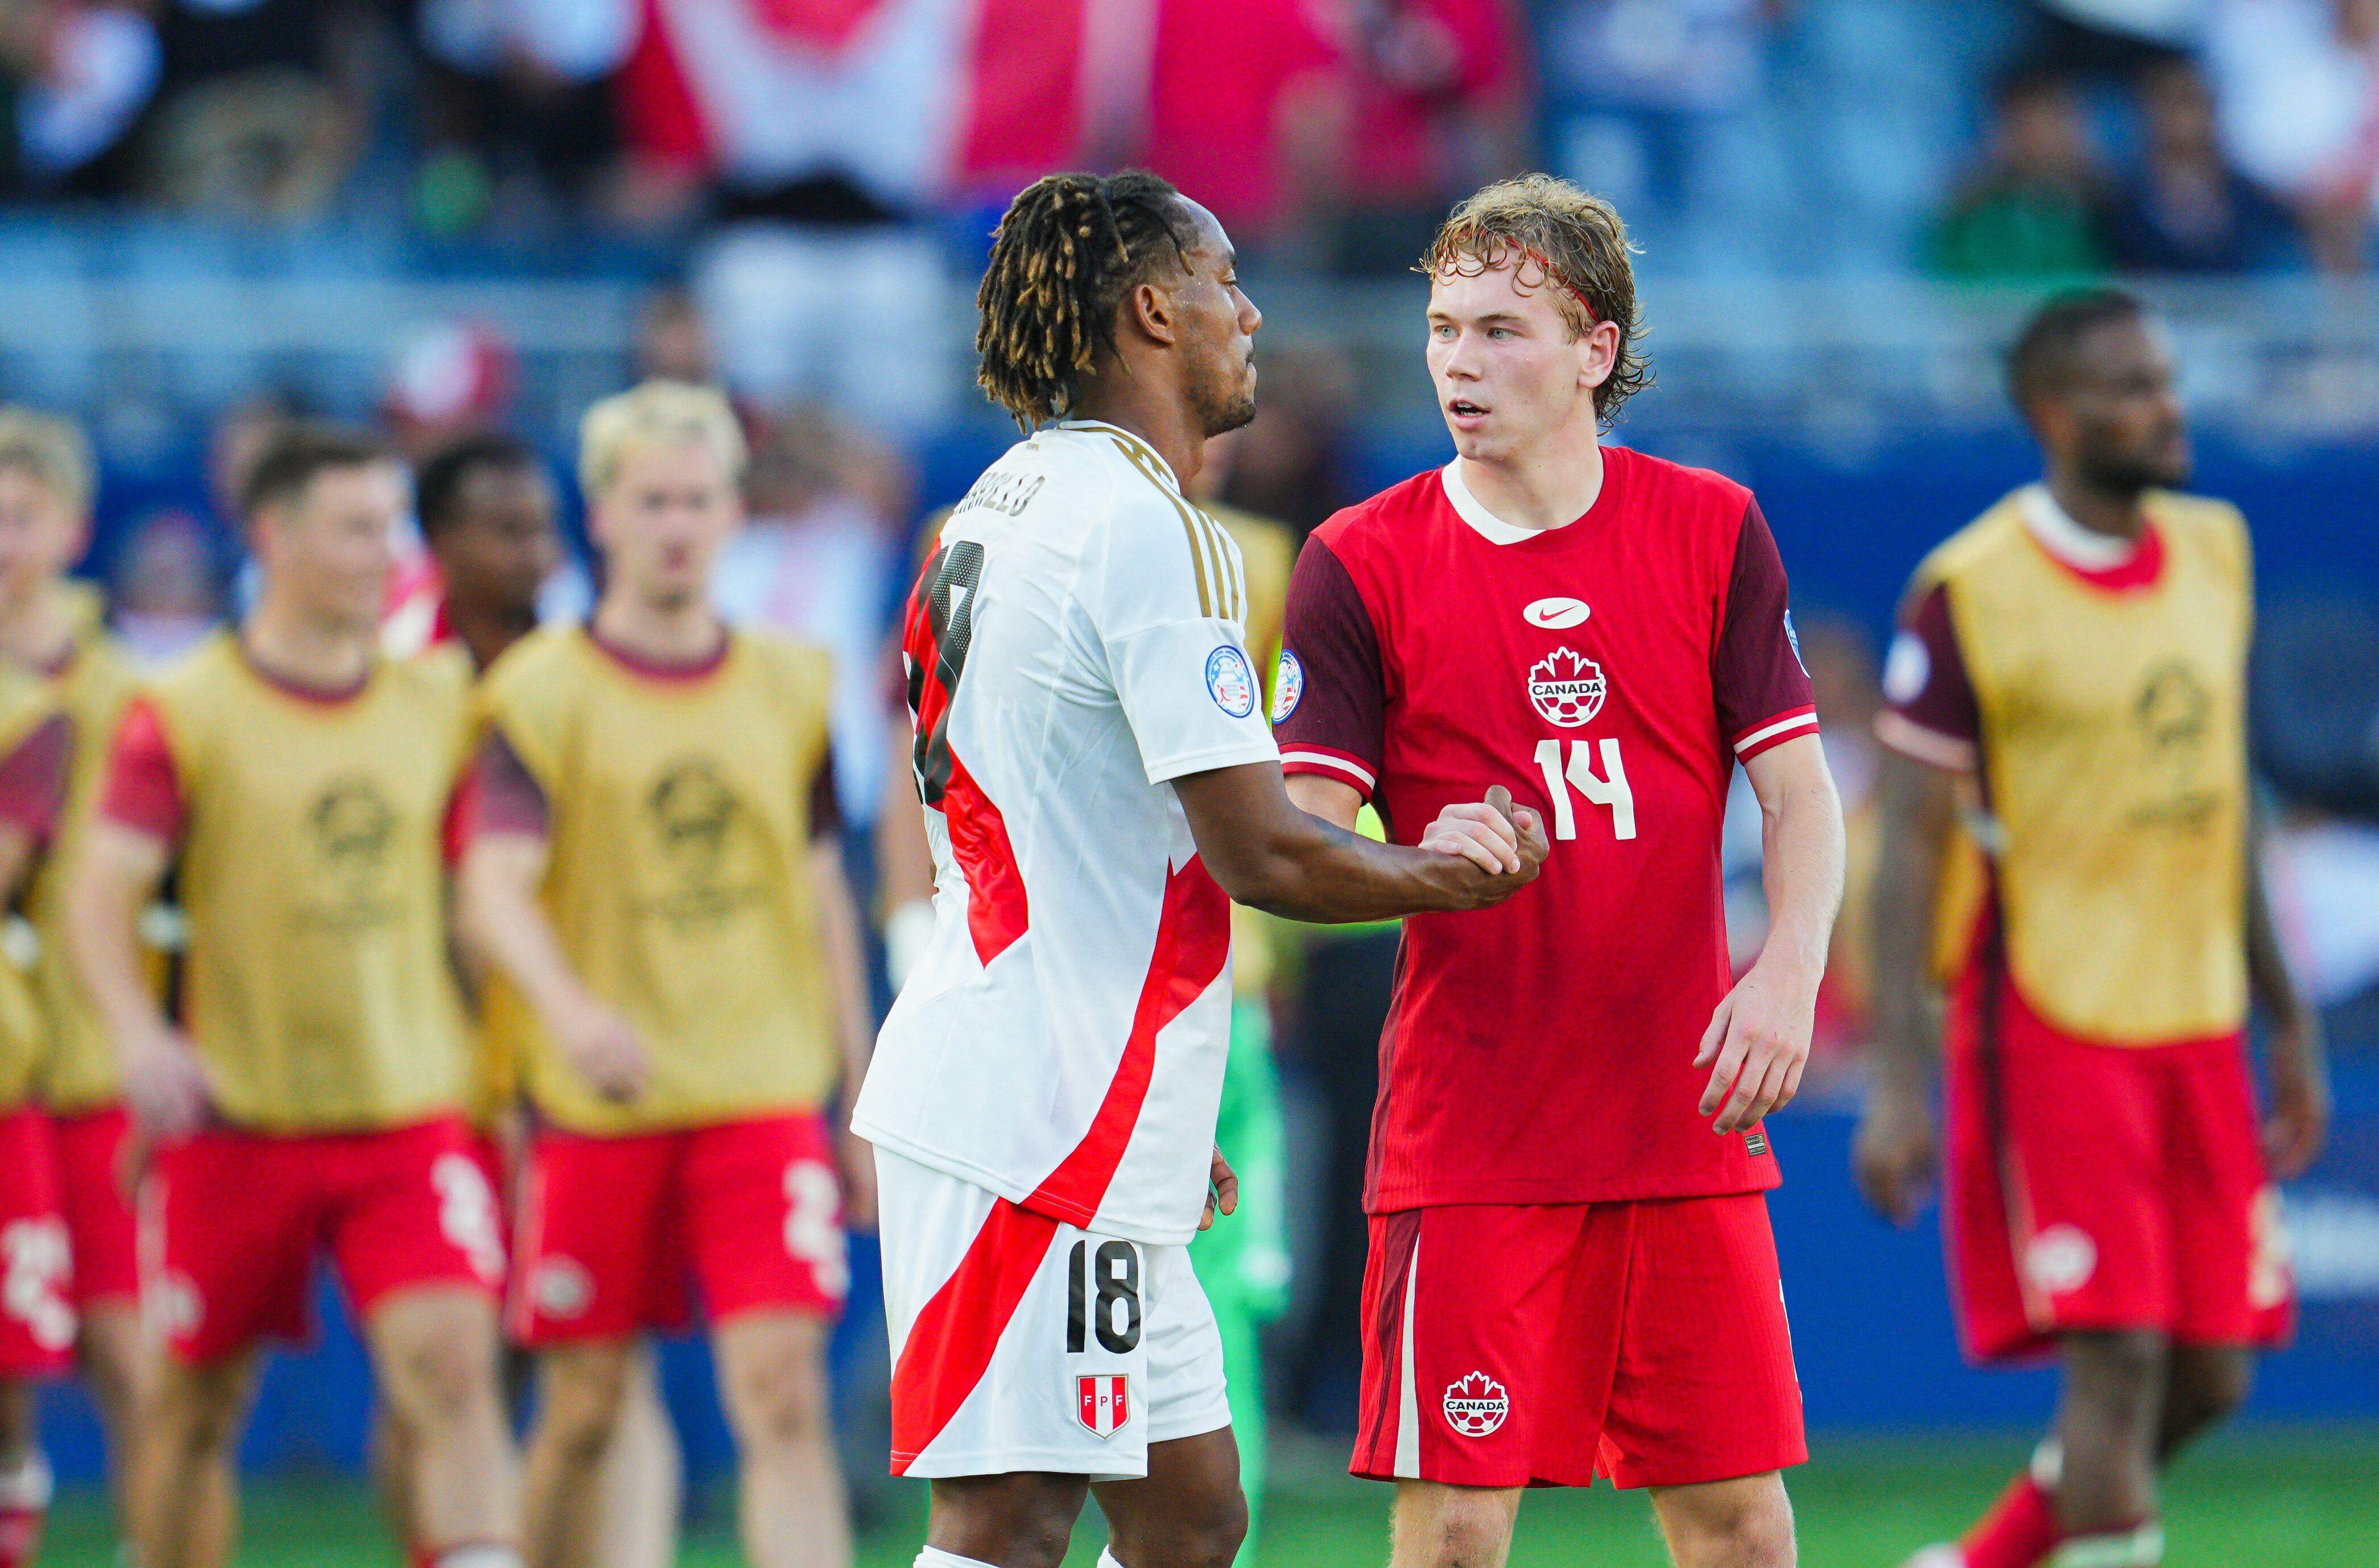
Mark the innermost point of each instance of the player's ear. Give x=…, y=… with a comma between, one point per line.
x=1148, y=311
x=1598, y=354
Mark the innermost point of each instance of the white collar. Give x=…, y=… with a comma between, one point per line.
x=1467, y=507
x=2086, y=549
x=1100, y=424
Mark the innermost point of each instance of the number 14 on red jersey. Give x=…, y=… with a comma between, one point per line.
x=1610, y=789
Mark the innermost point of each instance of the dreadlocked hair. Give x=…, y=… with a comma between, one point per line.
x=1069, y=250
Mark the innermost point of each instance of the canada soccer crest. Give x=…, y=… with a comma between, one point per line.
x=1475, y=1406
x=1568, y=687
x=1104, y=1405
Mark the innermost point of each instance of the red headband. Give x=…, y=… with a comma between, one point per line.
x=1553, y=275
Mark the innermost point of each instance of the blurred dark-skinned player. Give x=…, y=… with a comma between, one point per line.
x=2068, y=834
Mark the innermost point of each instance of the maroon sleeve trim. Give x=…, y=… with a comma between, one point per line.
x=143, y=793
x=1756, y=679
x=825, y=807
x=33, y=779
x=1790, y=725
x=1930, y=713
x=1330, y=702
x=1346, y=769
x=505, y=797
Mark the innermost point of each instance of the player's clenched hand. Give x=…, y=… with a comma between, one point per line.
x=1505, y=843
x=1222, y=1190
x=1896, y=1152
x=164, y=1084
x=1756, y=1045
x=604, y=1046
x=2298, y=1123
x=858, y=1162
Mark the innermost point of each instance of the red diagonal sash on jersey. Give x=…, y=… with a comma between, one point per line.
x=1193, y=940
x=950, y=1344
x=939, y=630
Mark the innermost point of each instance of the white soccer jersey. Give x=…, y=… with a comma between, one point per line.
x=1073, y=645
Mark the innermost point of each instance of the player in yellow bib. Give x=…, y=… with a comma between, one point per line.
x=309, y=1097
x=50, y=626
x=2071, y=672
x=655, y=880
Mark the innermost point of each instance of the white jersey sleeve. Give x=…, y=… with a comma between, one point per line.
x=1167, y=597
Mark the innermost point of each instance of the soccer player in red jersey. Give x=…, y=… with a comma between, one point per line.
x=1572, y=1273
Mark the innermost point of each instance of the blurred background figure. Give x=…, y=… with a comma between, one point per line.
x=2036, y=205
x=168, y=587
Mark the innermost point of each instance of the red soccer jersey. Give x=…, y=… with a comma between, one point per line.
x=1609, y=673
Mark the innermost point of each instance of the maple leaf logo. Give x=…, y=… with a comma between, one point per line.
x=1567, y=687
x=1475, y=1406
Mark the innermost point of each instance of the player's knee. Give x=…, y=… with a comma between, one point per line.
x=2208, y=1388
x=199, y=1412
x=1453, y=1527
x=441, y=1380
x=779, y=1398
x=1745, y=1524
x=581, y=1393
x=1207, y=1532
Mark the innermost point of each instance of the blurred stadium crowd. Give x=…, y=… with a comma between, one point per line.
x=448, y=216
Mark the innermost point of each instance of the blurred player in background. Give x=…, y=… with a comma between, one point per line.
x=1572, y=1273
x=51, y=625
x=2070, y=677
x=302, y=787
x=487, y=513
x=1098, y=783
x=37, y=1309
x=656, y=879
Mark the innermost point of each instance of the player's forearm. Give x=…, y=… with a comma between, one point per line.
x=2274, y=988
x=504, y=923
x=1802, y=872
x=1319, y=873
x=103, y=945
x=846, y=969
x=1917, y=813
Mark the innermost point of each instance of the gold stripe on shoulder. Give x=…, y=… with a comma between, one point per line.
x=1234, y=602
x=1188, y=528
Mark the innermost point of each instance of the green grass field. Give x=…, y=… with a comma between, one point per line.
x=2300, y=1499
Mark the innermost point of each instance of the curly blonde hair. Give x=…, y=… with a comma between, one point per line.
x=1568, y=238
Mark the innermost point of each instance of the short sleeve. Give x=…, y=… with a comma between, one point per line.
x=143, y=792
x=503, y=796
x=1167, y=604
x=33, y=777
x=1330, y=702
x=1929, y=711
x=1760, y=687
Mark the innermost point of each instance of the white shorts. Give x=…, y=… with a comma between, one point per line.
x=1020, y=1343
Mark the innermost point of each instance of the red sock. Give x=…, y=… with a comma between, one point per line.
x=24, y=1505
x=2018, y=1531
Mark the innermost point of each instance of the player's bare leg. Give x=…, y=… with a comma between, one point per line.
x=1022, y=1520
x=1446, y=1526
x=108, y=1357
x=1744, y=1523
x=643, y=1476
x=581, y=1389
x=772, y=1382
x=1186, y=1513
x=433, y=1350
x=24, y=1477
x=2204, y=1384
x=185, y=1503
x=2106, y=1424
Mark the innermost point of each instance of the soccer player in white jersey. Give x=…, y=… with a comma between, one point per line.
x=1099, y=782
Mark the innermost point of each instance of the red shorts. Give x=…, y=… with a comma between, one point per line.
x=230, y=1222
x=1546, y=1345
x=90, y=1193
x=37, y=1315
x=612, y=1231
x=2096, y=1186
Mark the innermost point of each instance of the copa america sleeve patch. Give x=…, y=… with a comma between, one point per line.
x=1287, y=687
x=1230, y=682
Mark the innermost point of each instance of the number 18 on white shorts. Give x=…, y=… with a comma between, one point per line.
x=1021, y=1343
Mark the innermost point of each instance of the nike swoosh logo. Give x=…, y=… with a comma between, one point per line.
x=1555, y=614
